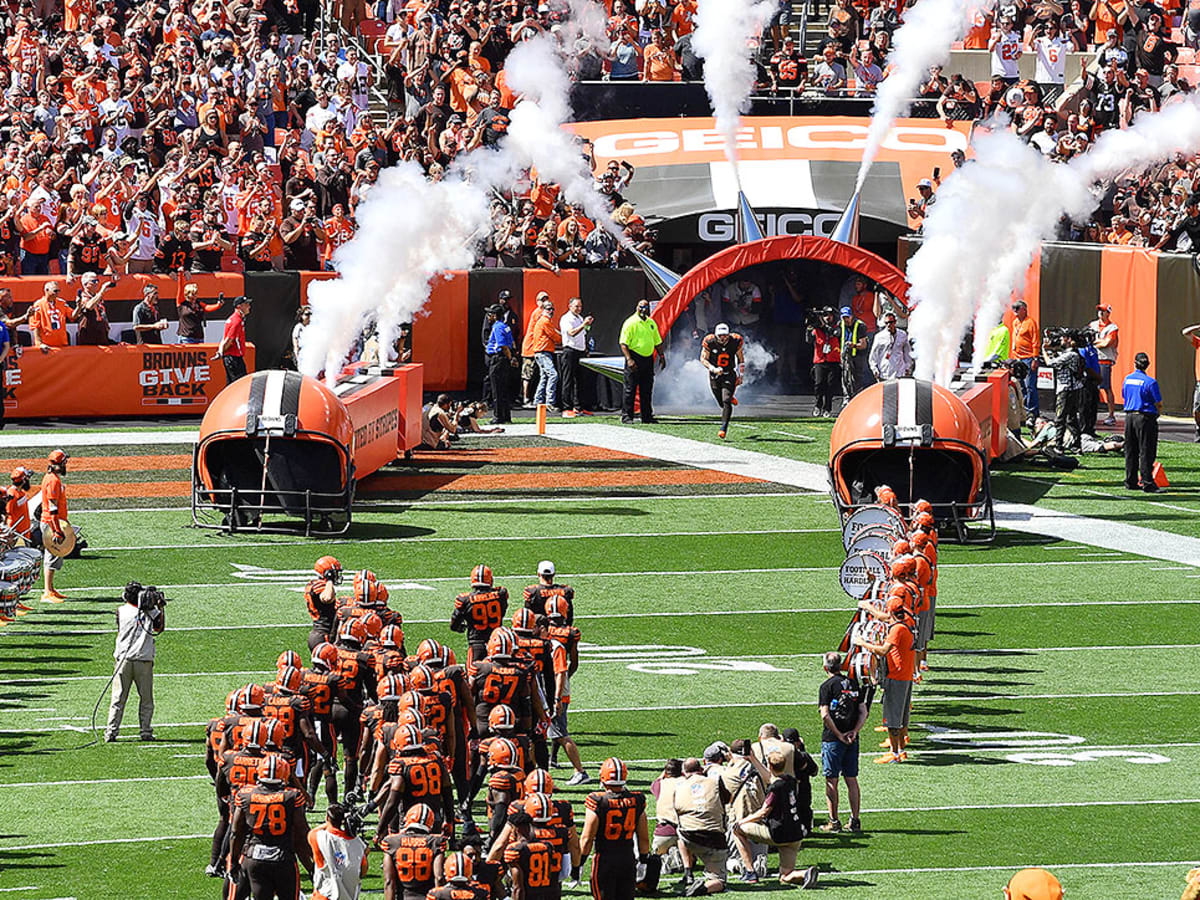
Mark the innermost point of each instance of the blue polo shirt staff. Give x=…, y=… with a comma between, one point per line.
x=500, y=350
x=1143, y=403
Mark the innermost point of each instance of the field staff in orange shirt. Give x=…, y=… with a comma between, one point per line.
x=1026, y=346
x=897, y=651
x=54, y=517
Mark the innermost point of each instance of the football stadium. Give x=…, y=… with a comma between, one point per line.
x=590, y=448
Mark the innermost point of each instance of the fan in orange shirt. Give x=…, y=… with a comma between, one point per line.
x=54, y=518
x=338, y=230
x=48, y=319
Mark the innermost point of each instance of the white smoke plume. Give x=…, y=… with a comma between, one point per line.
x=724, y=31
x=930, y=26
x=683, y=384
x=410, y=230
x=991, y=215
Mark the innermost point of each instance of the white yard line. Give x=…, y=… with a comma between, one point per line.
x=947, y=870
x=1062, y=805
x=158, y=437
x=153, y=839
x=41, y=784
x=1022, y=517
x=470, y=539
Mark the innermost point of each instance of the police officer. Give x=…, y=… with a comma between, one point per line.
x=1143, y=404
x=500, y=353
x=855, y=342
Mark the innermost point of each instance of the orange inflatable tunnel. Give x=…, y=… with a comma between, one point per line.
x=274, y=443
x=921, y=440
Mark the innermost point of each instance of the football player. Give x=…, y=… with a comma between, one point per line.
x=506, y=783
x=321, y=596
x=723, y=355
x=358, y=682
x=537, y=595
x=435, y=704
x=529, y=862
x=248, y=706
x=534, y=649
x=458, y=870
x=503, y=679
x=564, y=656
x=479, y=612
x=270, y=835
x=452, y=679
x=322, y=686
x=412, y=857
x=614, y=819
x=293, y=710
x=415, y=774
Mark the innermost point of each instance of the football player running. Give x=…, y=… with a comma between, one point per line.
x=722, y=354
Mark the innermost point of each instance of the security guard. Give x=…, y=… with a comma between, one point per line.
x=855, y=344
x=1143, y=403
x=499, y=352
x=639, y=340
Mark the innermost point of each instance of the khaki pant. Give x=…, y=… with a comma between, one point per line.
x=131, y=672
x=758, y=833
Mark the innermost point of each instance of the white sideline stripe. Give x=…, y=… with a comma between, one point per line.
x=458, y=540
x=660, y=614
x=917, y=698
x=485, y=501
x=28, y=887
x=1064, y=805
x=1021, y=517
x=938, y=870
x=34, y=784
x=688, y=573
x=156, y=437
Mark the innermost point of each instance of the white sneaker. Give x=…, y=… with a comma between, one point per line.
x=1110, y=421
x=580, y=778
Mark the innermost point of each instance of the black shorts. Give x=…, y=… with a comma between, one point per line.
x=613, y=879
x=268, y=879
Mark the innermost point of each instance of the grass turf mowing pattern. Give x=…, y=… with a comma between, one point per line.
x=895, y=840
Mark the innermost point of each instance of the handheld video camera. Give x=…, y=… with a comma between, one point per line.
x=148, y=598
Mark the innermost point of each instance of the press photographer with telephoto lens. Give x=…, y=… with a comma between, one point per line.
x=139, y=620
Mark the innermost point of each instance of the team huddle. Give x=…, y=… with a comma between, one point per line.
x=421, y=736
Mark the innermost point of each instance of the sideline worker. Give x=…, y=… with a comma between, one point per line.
x=54, y=514
x=232, y=349
x=1143, y=404
x=139, y=619
x=639, y=340
x=339, y=858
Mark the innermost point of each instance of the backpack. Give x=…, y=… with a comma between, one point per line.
x=843, y=706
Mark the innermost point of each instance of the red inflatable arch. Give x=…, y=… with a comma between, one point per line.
x=741, y=256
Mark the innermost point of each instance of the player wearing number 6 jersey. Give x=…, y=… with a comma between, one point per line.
x=269, y=835
x=412, y=860
x=723, y=355
x=479, y=612
x=614, y=817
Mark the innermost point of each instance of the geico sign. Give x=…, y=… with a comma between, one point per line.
x=902, y=139
x=721, y=228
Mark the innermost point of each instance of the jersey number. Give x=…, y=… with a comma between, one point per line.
x=425, y=780
x=273, y=814
x=500, y=689
x=487, y=615
x=414, y=863
x=539, y=870
x=620, y=824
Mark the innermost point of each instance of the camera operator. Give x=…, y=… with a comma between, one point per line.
x=827, y=359
x=139, y=619
x=339, y=857
x=1059, y=351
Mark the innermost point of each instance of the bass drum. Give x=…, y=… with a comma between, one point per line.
x=21, y=566
x=10, y=593
x=866, y=516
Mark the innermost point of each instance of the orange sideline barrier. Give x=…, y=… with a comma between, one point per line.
x=28, y=288
x=117, y=381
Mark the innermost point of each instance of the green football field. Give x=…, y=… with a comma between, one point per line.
x=1056, y=728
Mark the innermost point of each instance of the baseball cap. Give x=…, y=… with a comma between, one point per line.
x=925, y=182
x=1033, y=884
x=297, y=206
x=495, y=309
x=895, y=605
x=715, y=751
x=504, y=295
x=238, y=301
x=1105, y=307
x=545, y=567
x=791, y=735
x=19, y=474
x=846, y=311
x=721, y=330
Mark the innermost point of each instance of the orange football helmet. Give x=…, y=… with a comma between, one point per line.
x=428, y=649
x=329, y=568
x=502, y=718
x=364, y=581
x=524, y=620
x=539, y=781
x=352, y=631
x=391, y=636
x=419, y=818
x=406, y=737
x=274, y=769
x=539, y=807
x=325, y=655
x=457, y=866
x=290, y=680
x=613, y=771
x=481, y=576
x=420, y=678
x=501, y=643
x=557, y=608
x=392, y=687
x=502, y=754
x=289, y=658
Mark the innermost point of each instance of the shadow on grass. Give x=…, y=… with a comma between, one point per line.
x=18, y=860
x=490, y=509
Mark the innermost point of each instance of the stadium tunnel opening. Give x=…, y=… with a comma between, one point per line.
x=937, y=474
x=292, y=467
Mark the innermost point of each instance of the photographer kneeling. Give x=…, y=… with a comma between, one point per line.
x=139, y=619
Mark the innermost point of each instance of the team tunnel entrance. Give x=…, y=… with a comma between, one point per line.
x=768, y=291
x=935, y=474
